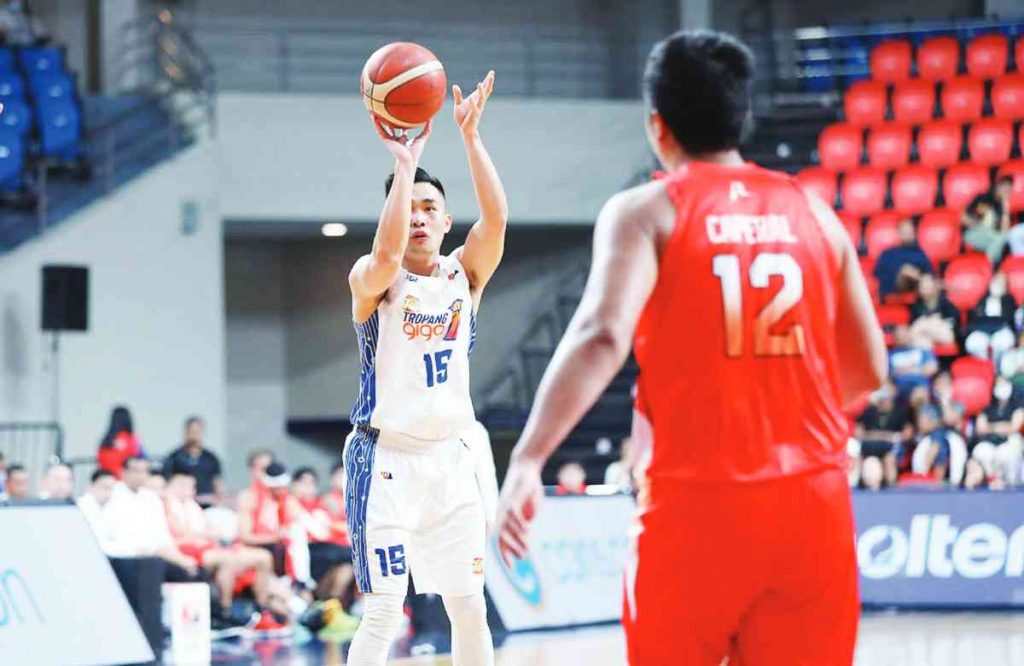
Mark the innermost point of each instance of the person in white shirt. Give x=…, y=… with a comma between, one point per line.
x=58, y=483
x=93, y=506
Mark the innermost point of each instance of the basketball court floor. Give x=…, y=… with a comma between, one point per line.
x=886, y=639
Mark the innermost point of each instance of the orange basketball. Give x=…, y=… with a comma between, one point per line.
x=403, y=84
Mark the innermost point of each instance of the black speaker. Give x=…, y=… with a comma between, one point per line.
x=65, y=298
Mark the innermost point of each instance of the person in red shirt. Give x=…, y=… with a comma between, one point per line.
x=119, y=443
x=267, y=513
x=752, y=325
x=330, y=550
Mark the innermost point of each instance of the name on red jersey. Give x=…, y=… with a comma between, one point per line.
x=749, y=229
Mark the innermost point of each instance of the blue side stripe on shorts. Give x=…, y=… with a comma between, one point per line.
x=358, y=475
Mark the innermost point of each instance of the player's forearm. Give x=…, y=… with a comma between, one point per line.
x=583, y=366
x=393, y=227
x=490, y=193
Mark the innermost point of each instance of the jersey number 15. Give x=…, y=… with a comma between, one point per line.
x=437, y=367
x=726, y=268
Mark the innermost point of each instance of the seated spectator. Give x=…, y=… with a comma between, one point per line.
x=17, y=485
x=156, y=481
x=882, y=429
x=872, y=476
x=138, y=524
x=986, y=221
x=940, y=452
x=221, y=517
x=976, y=477
x=229, y=566
x=58, y=483
x=572, y=479
x=997, y=433
x=990, y=324
x=93, y=505
x=933, y=319
x=620, y=473
x=193, y=458
x=853, y=461
x=910, y=366
x=1011, y=364
x=330, y=550
x=899, y=268
x=267, y=517
x=119, y=443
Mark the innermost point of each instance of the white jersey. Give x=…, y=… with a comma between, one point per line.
x=414, y=376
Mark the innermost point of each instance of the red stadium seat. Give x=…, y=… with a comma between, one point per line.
x=865, y=102
x=939, y=143
x=1008, y=96
x=938, y=234
x=986, y=56
x=891, y=316
x=967, y=278
x=974, y=393
x=889, y=145
x=946, y=349
x=881, y=233
x=820, y=181
x=963, y=182
x=963, y=98
x=853, y=227
x=913, y=101
x=972, y=366
x=1015, y=169
x=863, y=191
x=914, y=189
x=990, y=140
x=1013, y=268
x=938, y=58
x=867, y=269
x=840, y=146
x=890, y=61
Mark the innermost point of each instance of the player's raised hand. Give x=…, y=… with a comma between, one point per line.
x=521, y=495
x=399, y=144
x=469, y=109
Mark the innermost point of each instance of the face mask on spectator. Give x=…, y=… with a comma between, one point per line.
x=997, y=288
x=1002, y=391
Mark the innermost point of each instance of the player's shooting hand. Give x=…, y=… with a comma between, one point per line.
x=469, y=109
x=521, y=495
x=404, y=149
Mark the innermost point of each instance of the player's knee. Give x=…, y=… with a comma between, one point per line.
x=382, y=614
x=466, y=612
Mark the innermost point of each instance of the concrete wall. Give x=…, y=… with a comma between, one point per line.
x=156, y=336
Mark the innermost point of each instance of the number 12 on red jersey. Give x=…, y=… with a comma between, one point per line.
x=726, y=268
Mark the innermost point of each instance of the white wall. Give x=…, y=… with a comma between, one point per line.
x=156, y=336
x=559, y=160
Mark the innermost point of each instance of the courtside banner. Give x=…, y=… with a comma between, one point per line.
x=59, y=600
x=573, y=574
x=941, y=548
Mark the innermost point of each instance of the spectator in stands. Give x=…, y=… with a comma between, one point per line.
x=119, y=443
x=934, y=320
x=975, y=475
x=17, y=483
x=990, y=324
x=267, y=517
x=156, y=481
x=986, y=223
x=93, y=505
x=58, y=482
x=620, y=472
x=226, y=566
x=872, y=476
x=191, y=457
x=138, y=524
x=572, y=479
x=882, y=429
x=910, y=366
x=330, y=550
x=940, y=452
x=997, y=432
x=18, y=26
x=221, y=517
x=899, y=268
x=1011, y=363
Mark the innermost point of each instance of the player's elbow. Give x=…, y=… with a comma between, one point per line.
x=386, y=258
x=602, y=336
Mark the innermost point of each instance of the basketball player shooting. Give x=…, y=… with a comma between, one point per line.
x=751, y=323
x=412, y=499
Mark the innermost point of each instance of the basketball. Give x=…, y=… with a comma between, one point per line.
x=403, y=84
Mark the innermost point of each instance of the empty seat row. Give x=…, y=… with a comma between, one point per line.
x=914, y=101
x=32, y=59
x=938, y=233
x=914, y=189
x=990, y=141
x=938, y=59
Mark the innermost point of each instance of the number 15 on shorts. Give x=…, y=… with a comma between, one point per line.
x=392, y=560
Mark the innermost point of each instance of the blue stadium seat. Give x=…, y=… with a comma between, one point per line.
x=52, y=86
x=7, y=59
x=12, y=162
x=12, y=86
x=60, y=129
x=37, y=59
x=16, y=117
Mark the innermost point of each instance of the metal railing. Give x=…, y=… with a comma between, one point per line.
x=36, y=445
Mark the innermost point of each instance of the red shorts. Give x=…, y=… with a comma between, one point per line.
x=763, y=573
x=196, y=551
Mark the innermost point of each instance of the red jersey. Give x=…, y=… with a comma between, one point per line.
x=737, y=345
